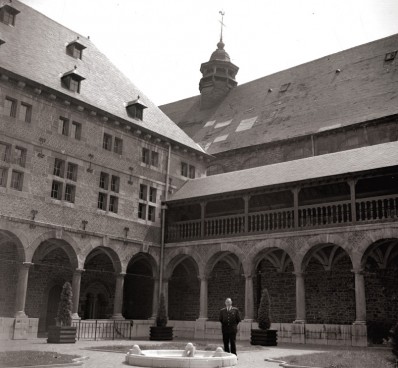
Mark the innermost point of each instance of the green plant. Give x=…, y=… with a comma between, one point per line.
x=161, y=317
x=264, y=311
x=394, y=340
x=64, y=315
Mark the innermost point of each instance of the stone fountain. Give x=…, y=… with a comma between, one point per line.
x=189, y=358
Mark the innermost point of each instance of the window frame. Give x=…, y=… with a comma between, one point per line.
x=113, y=204
x=71, y=174
x=115, y=183
x=3, y=176
x=21, y=160
x=104, y=196
x=7, y=152
x=12, y=111
x=151, y=213
x=107, y=142
x=152, y=194
x=146, y=156
x=142, y=211
x=118, y=146
x=104, y=180
x=59, y=171
x=71, y=195
x=28, y=112
x=63, y=126
x=76, y=131
x=59, y=190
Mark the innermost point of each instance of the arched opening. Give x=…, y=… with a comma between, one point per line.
x=274, y=272
x=54, y=261
x=11, y=256
x=329, y=285
x=226, y=280
x=184, y=291
x=98, y=282
x=380, y=265
x=138, y=287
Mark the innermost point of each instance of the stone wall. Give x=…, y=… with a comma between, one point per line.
x=330, y=295
x=225, y=282
x=281, y=288
x=184, y=295
x=8, y=278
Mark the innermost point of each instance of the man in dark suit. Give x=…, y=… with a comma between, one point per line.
x=229, y=318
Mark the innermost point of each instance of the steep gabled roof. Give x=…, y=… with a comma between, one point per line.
x=36, y=50
x=339, y=163
x=338, y=90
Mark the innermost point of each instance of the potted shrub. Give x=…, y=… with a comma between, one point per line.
x=161, y=331
x=264, y=335
x=63, y=332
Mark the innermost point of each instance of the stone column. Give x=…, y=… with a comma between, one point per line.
x=77, y=276
x=360, y=300
x=155, y=298
x=22, y=287
x=165, y=291
x=118, y=302
x=249, y=298
x=352, y=184
x=296, y=192
x=300, y=298
x=203, y=298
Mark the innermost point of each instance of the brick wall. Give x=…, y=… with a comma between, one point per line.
x=8, y=278
x=281, y=288
x=225, y=282
x=330, y=295
x=184, y=295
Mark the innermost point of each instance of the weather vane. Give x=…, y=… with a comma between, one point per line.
x=222, y=22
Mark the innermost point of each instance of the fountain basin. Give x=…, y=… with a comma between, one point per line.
x=176, y=359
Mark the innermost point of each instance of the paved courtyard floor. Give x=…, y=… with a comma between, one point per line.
x=247, y=359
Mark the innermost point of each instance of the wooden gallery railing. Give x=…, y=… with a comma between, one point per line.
x=372, y=209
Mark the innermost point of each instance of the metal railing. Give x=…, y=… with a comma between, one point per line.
x=103, y=329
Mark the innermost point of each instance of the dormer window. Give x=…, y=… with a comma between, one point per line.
x=2, y=42
x=135, y=109
x=71, y=80
x=75, y=49
x=8, y=14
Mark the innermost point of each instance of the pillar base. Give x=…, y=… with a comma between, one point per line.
x=248, y=320
x=359, y=323
x=118, y=316
x=202, y=319
x=299, y=321
x=20, y=314
x=75, y=316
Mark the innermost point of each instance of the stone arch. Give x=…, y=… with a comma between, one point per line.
x=63, y=239
x=96, y=300
x=146, y=257
x=178, y=259
x=311, y=243
x=109, y=252
x=18, y=239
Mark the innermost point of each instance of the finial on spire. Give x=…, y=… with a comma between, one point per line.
x=222, y=22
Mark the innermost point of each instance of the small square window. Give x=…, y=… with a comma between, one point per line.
x=107, y=142
x=8, y=14
x=3, y=176
x=284, y=87
x=70, y=191
x=102, y=197
x=145, y=156
x=142, y=211
x=154, y=158
x=10, y=107
x=184, y=169
x=143, y=192
x=63, y=126
x=76, y=130
x=72, y=83
x=135, y=111
x=152, y=195
x=151, y=213
x=16, y=180
x=113, y=204
x=118, y=147
x=71, y=171
x=5, y=150
x=59, y=167
x=75, y=50
x=115, y=182
x=25, y=112
x=104, y=181
x=20, y=156
x=192, y=172
x=56, y=190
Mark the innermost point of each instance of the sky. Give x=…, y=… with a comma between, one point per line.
x=160, y=44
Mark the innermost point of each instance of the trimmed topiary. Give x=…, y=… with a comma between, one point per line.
x=64, y=315
x=394, y=340
x=264, y=311
x=161, y=318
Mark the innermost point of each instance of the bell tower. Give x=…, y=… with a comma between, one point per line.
x=218, y=75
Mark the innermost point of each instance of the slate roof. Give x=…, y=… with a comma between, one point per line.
x=338, y=90
x=36, y=50
x=329, y=165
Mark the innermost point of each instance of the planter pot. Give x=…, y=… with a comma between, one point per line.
x=264, y=337
x=61, y=335
x=161, y=333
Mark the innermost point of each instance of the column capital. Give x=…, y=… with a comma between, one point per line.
x=203, y=277
x=121, y=275
x=295, y=190
x=246, y=197
x=358, y=271
x=79, y=270
x=352, y=182
x=27, y=264
x=299, y=274
x=248, y=277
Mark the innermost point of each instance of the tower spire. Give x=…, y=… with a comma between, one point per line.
x=222, y=22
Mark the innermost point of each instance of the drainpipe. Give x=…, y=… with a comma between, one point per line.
x=163, y=225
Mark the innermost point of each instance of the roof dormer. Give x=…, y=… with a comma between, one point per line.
x=75, y=49
x=8, y=14
x=71, y=80
x=135, y=109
